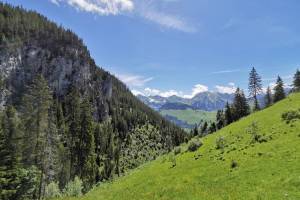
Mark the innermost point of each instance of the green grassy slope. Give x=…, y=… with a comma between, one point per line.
x=191, y=116
x=269, y=170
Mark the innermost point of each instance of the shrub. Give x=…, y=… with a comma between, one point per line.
x=220, y=143
x=290, y=116
x=52, y=191
x=194, y=145
x=177, y=150
x=172, y=159
x=234, y=164
x=74, y=188
x=253, y=130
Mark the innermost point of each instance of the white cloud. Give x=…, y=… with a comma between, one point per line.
x=136, y=92
x=230, y=89
x=168, y=21
x=101, y=7
x=133, y=80
x=55, y=2
x=153, y=92
x=226, y=71
x=196, y=90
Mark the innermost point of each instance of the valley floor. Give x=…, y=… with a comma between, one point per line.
x=268, y=168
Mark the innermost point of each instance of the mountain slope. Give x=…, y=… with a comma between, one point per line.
x=265, y=168
x=97, y=128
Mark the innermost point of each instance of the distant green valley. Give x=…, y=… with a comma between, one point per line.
x=191, y=117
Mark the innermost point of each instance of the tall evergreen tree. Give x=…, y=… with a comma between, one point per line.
x=73, y=124
x=279, y=93
x=9, y=154
x=35, y=119
x=255, y=87
x=296, y=81
x=212, y=128
x=195, y=130
x=228, y=114
x=220, y=119
x=87, y=156
x=240, y=105
x=204, y=128
x=268, y=97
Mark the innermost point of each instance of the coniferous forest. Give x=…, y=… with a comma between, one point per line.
x=64, y=119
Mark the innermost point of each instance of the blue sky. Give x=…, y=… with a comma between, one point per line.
x=184, y=46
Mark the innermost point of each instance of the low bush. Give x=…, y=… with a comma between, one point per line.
x=177, y=150
x=253, y=130
x=291, y=116
x=52, y=191
x=234, y=164
x=172, y=159
x=194, y=145
x=74, y=188
x=220, y=143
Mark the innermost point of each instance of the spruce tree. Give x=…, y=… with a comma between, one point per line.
x=195, y=130
x=9, y=154
x=212, y=128
x=87, y=156
x=73, y=124
x=204, y=128
x=228, y=114
x=35, y=108
x=220, y=119
x=268, y=98
x=255, y=87
x=296, y=82
x=240, y=105
x=279, y=93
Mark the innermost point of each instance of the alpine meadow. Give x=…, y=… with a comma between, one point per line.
x=149, y=100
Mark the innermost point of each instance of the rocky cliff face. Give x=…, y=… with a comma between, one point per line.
x=19, y=65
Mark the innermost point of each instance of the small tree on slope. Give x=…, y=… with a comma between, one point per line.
x=278, y=90
x=255, y=87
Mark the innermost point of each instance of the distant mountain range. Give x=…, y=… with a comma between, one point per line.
x=176, y=109
x=206, y=101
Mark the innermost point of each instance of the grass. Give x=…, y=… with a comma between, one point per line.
x=191, y=116
x=266, y=170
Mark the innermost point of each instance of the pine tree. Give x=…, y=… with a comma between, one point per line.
x=195, y=131
x=204, y=128
x=255, y=87
x=63, y=147
x=279, y=93
x=87, y=156
x=220, y=119
x=212, y=128
x=35, y=120
x=228, y=114
x=9, y=154
x=268, y=98
x=73, y=124
x=240, y=105
x=296, y=82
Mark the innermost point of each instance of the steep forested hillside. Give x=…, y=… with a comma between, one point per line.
x=62, y=116
x=254, y=158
